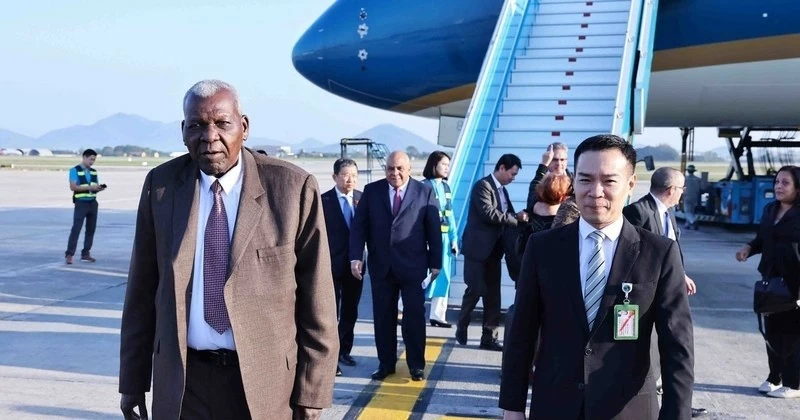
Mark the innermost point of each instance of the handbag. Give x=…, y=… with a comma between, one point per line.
x=771, y=295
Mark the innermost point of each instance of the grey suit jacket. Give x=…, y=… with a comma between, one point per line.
x=485, y=220
x=279, y=291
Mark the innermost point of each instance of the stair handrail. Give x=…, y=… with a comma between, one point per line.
x=621, y=118
x=467, y=137
x=642, y=85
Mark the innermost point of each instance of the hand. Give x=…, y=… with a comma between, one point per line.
x=522, y=216
x=547, y=156
x=95, y=188
x=306, y=413
x=355, y=269
x=744, y=253
x=434, y=273
x=130, y=401
x=513, y=415
x=691, y=288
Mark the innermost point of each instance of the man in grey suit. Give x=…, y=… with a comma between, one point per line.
x=230, y=267
x=490, y=214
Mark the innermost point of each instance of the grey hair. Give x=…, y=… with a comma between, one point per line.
x=208, y=88
x=560, y=146
x=664, y=178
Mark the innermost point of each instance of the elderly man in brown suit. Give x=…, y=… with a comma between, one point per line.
x=230, y=298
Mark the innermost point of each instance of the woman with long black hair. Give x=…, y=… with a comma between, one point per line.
x=777, y=241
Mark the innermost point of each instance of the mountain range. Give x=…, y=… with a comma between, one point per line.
x=127, y=129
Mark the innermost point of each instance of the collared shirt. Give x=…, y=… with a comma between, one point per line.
x=586, y=246
x=402, y=192
x=201, y=336
x=348, y=197
x=501, y=193
x=663, y=216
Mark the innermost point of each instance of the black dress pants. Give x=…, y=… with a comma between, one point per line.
x=483, y=281
x=385, y=292
x=348, y=294
x=213, y=392
x=784, y=354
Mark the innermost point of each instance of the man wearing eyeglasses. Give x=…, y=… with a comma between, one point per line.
x=655, y=213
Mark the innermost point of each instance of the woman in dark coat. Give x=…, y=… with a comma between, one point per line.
x=777, y=242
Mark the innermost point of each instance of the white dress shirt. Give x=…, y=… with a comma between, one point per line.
x=586, y=246
x=663, y=215
x=501, y=193
x=201, y=336
x=349, y=198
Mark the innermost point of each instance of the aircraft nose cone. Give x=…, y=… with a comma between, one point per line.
x=307, y=56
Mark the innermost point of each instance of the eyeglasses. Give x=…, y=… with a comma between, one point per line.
x=680, y=188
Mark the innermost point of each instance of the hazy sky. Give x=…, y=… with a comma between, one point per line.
x=76, y=61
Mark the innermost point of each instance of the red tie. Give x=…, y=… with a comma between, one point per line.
x=396, y=203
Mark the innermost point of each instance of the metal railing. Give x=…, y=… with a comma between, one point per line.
x=481, y=117
x=622, y=108
x=642, y=84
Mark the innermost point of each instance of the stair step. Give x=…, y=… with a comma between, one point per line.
x=530, y=157
x=575, y=29
x=590, y=41
x=573, y=63
x=532, y=91
x=584, y=7
x=536, y=53
x=554, y=107
x=600, y=124
x=592, y=18
x=527, y=138
x=560, y=78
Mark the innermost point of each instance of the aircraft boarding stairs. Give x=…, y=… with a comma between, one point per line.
x=555, y=71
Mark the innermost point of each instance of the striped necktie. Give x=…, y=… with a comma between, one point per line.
x=595, y=278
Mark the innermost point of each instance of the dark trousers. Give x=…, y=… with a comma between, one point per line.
x=213, y=392
x=483, y=281
x=348, y=294
x=385, y=292
x=83, y=210
x=783, y=357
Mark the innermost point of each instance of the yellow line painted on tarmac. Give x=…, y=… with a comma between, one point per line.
x=396, y=396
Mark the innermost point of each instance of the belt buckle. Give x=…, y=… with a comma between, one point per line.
x=221, y=358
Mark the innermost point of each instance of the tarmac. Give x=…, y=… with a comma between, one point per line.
x=59, y=324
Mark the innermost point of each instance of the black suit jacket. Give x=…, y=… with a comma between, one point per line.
x=485, y=220
x=581, y=368
x=644, y=214
x=338, y=232
x=408, y=244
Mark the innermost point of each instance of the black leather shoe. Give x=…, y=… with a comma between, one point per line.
x=699, y=412
x=440, y=324
x=461, y=336
x=417, y=374
x=347, y=360
x=381, y=374
x=338, y=371
x=493, y=346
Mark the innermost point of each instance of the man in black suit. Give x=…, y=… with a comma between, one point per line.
x=554, y=161
x=398, y=220
x=339, y=206
x=593, y=357
x=654, y=212
x=484, y=243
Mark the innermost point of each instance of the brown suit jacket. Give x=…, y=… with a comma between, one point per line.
x=279, y=292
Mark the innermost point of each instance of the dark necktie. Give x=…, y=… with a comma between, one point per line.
x=396, y=202
x=215, y=264
x=347, y=212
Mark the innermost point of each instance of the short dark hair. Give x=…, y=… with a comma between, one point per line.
x=508, y=161
x=89, y=152
x=430, y=166
x=662, y=178
x=262, y=152
x=341, y=163
x=794, y=172
x=603, y=142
